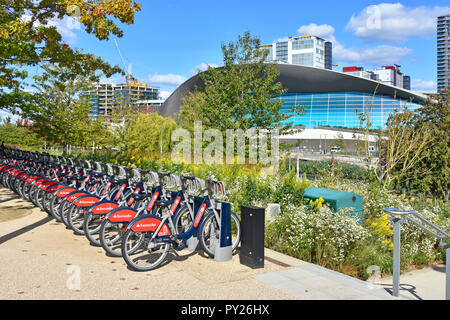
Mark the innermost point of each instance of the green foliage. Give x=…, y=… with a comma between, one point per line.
x=28, y=39
x=60, y=113
x=316, y=234
x=431, y=174
x=19, y=136
x=240, y=94
x=323, y=168
x=145, y=135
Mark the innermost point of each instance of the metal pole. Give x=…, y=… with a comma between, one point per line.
x=447, y=269
x=298, y=162
x=396, y=261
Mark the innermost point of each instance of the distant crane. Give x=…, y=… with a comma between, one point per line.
x=129, y=77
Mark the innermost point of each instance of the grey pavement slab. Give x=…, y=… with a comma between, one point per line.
x=310, y=282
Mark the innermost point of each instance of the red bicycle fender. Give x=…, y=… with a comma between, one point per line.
x=86, y=201
x=104, y=208
x=72, y=197
x=56, y=187
x=30, y=179
x=123, y=215
x=46, y=185
x=150, y=224
x=64, y=192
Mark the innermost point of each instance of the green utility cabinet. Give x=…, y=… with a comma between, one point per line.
x=337, y=200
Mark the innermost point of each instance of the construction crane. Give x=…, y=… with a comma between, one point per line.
x=129, y=77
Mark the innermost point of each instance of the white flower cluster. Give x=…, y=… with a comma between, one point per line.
x=327, y=236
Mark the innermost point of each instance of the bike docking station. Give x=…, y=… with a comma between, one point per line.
x=223, y=251
x=220, y=239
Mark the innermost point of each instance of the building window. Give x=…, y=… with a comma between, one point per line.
x=302, y=44
x=305, y=59
x=282, y=51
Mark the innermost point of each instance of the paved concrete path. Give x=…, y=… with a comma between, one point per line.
x=422, y=284
x=41, y=259
x=308, y=281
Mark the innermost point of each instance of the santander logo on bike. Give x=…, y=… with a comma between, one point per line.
x=151, y=224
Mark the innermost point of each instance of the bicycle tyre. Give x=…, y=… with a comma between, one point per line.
x=130, y=256
x=210, y=227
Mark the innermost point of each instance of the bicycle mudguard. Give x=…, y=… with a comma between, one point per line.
x=55, y=187
x=74, y=195
x=63, y=192
x=23, y=175
x=103, y=207
x=86, y=201
x=121, y=214
x=148, y=222
x=47, y=184
x=32, y=178
x=38, y=182
x=16, y=173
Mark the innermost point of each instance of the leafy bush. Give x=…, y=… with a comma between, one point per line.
x=315, y=234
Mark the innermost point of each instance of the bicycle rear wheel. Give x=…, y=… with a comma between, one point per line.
x=91, y=227
x=55, y=202
x=140, y=253
x=111, y=238
x=75, y=219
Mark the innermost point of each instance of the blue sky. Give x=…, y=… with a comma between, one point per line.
x=170, y=39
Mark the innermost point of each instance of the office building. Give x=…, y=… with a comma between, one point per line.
x=106, y=96
x=443, y=52
x=306, y=50
x=389, y=75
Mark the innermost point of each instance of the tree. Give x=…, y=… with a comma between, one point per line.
x=60, y=111
x=239, y=95
x=147, y=132
x=431, y=173
x=402, y=144
x=29, y=37
x=19, y=135
x=122, y=115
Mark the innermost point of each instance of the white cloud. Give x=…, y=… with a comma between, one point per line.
x=165, y=94
x=324, y=31
x=423, y=85
x=65, y=26
x=393, y=22
x=168, y=79
x=202, y=67
x=382, y=54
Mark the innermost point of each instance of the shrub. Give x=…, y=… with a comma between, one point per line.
x=316, y=234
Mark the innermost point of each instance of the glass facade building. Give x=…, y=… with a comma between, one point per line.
x=341, y=109
x=329, y=98
x=443, y=52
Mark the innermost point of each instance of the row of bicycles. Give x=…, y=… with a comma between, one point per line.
x=136, y=214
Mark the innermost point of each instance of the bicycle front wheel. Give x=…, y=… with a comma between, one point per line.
x=140, y=253
x=210, y=233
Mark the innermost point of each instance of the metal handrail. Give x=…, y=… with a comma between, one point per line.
x=413, y=216
x=407, y=215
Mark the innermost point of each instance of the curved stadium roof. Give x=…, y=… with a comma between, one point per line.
x=303, y=79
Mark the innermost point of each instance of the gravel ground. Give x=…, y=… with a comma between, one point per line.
x=41, y=259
